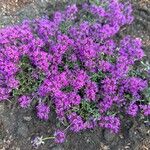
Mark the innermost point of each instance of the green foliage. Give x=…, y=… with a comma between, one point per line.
x=87, y=16
x=96, y=77
x=95, y=2
x=28, y=83
x=111, y=59
x=140, y=70
x=128, y=96
x=87, y=110
x=70, y=64
x=67, y=89
x=67, y=62
x=101, y=3
x=77, y=1
x=111, y=113
x=147, y=95
x=64, y=26
x=146, y=65
x=61, y=68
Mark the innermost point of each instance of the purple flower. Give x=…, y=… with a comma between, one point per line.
x=109, y=85
x=132, y=109
x=108, y=47
x=90, y=124
x=106, y=104
x=134, y=85
x=104, y=66
x=4, y=93
x=131, y=48
x=12, y=83
x=98, y=10
x=71, y=11
x=145, y=109
x=80, y=79
x=58, y=17
x=74, y=98
x=44, y=88
x=24, y=101
x=91, y=91
x=41, y=59
x=110, y=122
x=43, y=111
x=121, y=68
x=59, y=136
x=76, y=122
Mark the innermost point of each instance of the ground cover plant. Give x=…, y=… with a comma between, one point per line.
x=73, y=64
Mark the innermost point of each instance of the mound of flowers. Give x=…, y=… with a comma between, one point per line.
x=72, y=63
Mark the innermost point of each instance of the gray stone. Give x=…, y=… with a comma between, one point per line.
x=109, y=137
x=9, y=123
x=22, y=130
x=1, y=108
x=30, y=11
x=143, y=130
x=1, y=141
x=27, y=118
x=134, y=135
x=58, y=148
x=5, y=20
x=42, y=3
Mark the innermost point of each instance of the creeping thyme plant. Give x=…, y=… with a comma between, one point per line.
x=73, y=63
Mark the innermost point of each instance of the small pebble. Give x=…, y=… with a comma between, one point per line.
x=27, y=118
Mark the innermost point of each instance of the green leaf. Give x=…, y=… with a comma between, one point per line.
x=28, y=84
x=67, y=89
x=95, y=2
x=64, y=26
x=87, y=109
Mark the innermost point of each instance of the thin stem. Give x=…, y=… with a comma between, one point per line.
x=68, y=127
x=48, y=138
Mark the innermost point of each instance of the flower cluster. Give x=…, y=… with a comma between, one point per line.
x=132, y=110
x=76, y=122
x=59, y=136
x=145, y=109
x=110, y=122
x=73, y=59
x=43, y=111
x=24, y=101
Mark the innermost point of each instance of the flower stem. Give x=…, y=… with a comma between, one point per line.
x=48, y=138
x=68, y=127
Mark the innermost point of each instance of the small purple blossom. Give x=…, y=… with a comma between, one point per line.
x=132, y=110
x=71, y=11
x=145, y=109
x=134, y=85
x=43, y=111
x=59, y=136
x=24, y=101
x=110, y=122
x=4, y=93
x=76, y=122
x=109, y=85
x=106, y=104
x=104, y=66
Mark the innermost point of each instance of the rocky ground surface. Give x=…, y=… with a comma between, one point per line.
x=18, y=126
